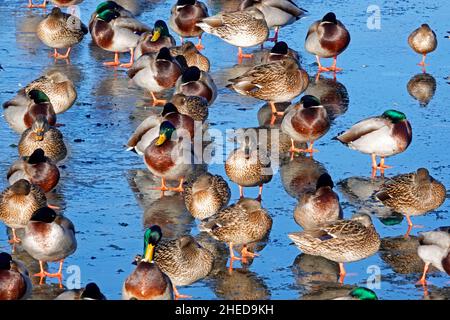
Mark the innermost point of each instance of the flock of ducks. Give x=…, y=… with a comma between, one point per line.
x=156, y=64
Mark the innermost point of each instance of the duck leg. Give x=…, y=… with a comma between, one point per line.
x=241, y=191
x=199, y=45
x=275, y=37
x=423, y=280
x=259, y=198
x=342, y=273
x=321, y=68
x=15, y=239
x=57, y=55
x=333, y=66
x=422, y=63
x=129, y=64
x=380, y=167
x=59, y=273
x=157, y=101
x=179, y=188
x=163, y=186
x=247, y=254
x=232, y=255
x=242, y=55
x=31, y=5
x=114, y=63
x=42, y=272
x=310, y=149
x=178, y=295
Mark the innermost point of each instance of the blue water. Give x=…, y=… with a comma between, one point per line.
x=105, y=190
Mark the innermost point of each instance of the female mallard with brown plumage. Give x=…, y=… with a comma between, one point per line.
x=327, y=38
x=155, y=40
x=194, y=82
x=184, y=16
x=15, y=283
x=423, y=41
x=306, y=121
x=42, y=136
x=49, y=237
x=18, y=202
x=382, y=136
x=61, y=30
x=113, y=31
x=274, y=82
x=194, y=106
x=147, y=281
x=155, y=72
x=320, y=206
x=193, y=57
x=37, y=169
x=239, y=224
x=206, y=195
x=148, y=130
x=412, y=194
x=184, y=261
x=169, y=157
x=242, y=29
x=341, y=241
x=246, y=167
x=23, y=110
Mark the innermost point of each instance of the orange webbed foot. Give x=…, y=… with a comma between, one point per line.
x=126, y=65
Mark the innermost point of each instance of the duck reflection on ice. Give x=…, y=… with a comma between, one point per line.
x=422, y=87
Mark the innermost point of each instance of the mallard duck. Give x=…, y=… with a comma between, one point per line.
x=423, y=41
x=42, y=136
x=239, y=224
x=169, y=157
x=113, y=30
x=246, y=167
x=277, y=13
x=422, y=87
x=434, y=250
x=359, y=293
x=278, y=52
x=148, y=130
x=194, y=106
x=59, y=89
x=412, y=194
x=15, y=283
x=318, y=207
x=23, y=110
x=61, y=30
x=155, y=40
x=242, y=29
x=184, y=260
x=193, y=57
x=278, y=81
x=156, y=72
x=340, y=241
x=18, y=202
x=206, y=195
x=37, y=169
x=49, y=237
x=327, y=38
x=90, y=292
x=306, y=121
x=194, y=82
x=184, y=16
x=147, y=281
x=383, y=136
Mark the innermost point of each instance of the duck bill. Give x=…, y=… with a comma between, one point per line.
x=156, y=35
x=39, y=136
x=162, y=138
x=149, y=252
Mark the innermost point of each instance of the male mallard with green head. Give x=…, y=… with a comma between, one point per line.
x=42, y=136
x=319, y=206
x=170, y=157
x=279, y=81
x=412, y=194
x=15, y=283
x=184, y=16
x=195, y=82
x=113, y=31
x=41, y=106
x=18, y=202
x=241, y=223
x=327, y=38
x=90, y=292
x=382, y=136
x=147, y=281
x=61, y=30
x=156, y=72
x=341, y=241
x=423, y=40
x=37, y=169
x=184, y=261
x=360, y=293
x=206, y=195
x=155, y=40
x=49, y=237
x=306, y=121
x=193, y=57
x=277, y=13
x=242, y=29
